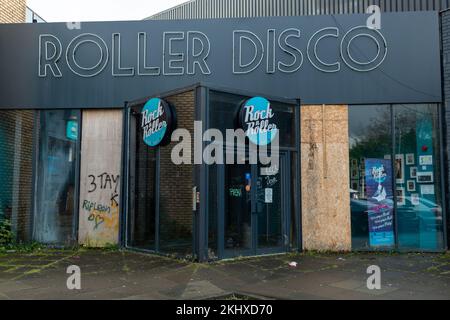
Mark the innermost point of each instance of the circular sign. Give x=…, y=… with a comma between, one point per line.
x=256, y=118
x=158, y=122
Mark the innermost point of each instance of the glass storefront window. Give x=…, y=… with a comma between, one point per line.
x=55, y=202
x=418, y=177
x=224, y=108
x=249, y=210
x=370, y=138
x=395, y=188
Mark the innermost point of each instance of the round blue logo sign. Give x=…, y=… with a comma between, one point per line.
x=157, y=119
x=257, y=120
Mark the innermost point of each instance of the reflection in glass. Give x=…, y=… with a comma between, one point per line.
x=370, y=139
x=238, y=227
x=224, y=108
x=416, y=166
x=212, y=212
x=54, y=221
x=269, y=207
x=141, y=219
x=418, y=179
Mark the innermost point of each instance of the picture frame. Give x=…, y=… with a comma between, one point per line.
x=354, y=173
x=411, y=185
x=410, y=159
x=426, y=160
x=415, y=199
x=413, y=172
x=399, y=167
x=362, y=163
x=353, y=163
x=401, y=200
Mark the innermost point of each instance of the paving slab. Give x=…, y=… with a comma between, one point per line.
x=109, y=274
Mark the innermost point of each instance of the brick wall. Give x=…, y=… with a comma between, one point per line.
x=16, y=153
x=12, y=11
x=445, y=25
x=16, y=146
x=176, y=185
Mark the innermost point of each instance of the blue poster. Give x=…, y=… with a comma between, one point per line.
x=380, y=202
x=72, y=130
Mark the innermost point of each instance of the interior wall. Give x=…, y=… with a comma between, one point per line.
x=326, y=223
x=100, y=177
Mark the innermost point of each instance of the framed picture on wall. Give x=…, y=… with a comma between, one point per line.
x=411, y=186
x=413, y=172
x=410, y=159
x=401, y=201
x=354, y=163
x=415, y=200
x=400, y=168
x=354, y=173
x=355, y=185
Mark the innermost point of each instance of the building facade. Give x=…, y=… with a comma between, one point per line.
x=12, y=11
x=210, y=9
x=216, y=9
x=359, y=113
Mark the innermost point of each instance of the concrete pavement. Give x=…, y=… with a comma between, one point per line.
x=128, y=275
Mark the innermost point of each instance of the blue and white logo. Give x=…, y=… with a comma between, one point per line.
x=154, y=121
x=257, y=120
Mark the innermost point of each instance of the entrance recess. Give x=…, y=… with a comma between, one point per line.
x=254, y=212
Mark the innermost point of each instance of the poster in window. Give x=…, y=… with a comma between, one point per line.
x=380, y=202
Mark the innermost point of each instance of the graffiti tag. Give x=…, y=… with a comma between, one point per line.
x=104, y=181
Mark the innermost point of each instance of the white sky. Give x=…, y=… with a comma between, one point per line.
x=98, y=10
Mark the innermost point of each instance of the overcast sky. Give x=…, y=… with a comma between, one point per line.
x=98, y=10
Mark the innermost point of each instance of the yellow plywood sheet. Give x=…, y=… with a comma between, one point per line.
x=325, y=176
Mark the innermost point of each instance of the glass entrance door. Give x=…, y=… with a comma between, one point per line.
x=141, y=222
x=270, y=209
x=254, y=209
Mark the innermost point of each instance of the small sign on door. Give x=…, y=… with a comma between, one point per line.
x=268, y=195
